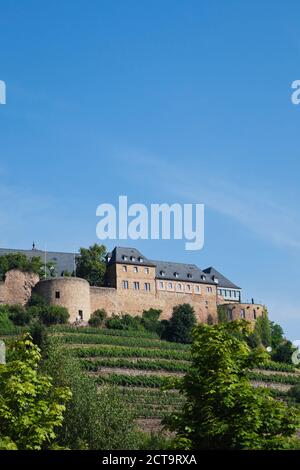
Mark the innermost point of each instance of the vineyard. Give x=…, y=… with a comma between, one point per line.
x=146, y=369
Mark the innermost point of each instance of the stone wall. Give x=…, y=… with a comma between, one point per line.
x=17, y=287
x=249, y=312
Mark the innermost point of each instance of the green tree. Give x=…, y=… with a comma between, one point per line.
x=181, y=324
x=90, y=265
x=263, y=329
x=150, y=320
x=94, y=419
x=277, y=335
x=223, y=410
x=25, y=264
x=31, y=408
x=284, y=352
x=52, y=314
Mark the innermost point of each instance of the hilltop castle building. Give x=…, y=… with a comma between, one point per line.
x=133, y=283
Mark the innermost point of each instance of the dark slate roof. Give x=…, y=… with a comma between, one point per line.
x=132, y=255
x=223, y=281
x=62, y=261
x=181, y=272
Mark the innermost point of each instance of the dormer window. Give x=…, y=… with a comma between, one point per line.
x=132, y=258
x=203, y=277
x=141, y=260
x=215, y=279
x=162, y=273
x=176, y=274
x=124, y=257
x=189, y=276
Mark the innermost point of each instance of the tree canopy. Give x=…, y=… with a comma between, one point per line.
x=31, y=408
x=90, y=265
x=223, y=410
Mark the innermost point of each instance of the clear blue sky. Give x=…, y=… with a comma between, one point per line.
x=165, y=101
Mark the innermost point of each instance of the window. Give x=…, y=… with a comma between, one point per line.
x=147, y=286
x=189, y=276
x=161, y=285
x=242, y=313
x=203, y=277
x=141, y=260
x=227, y=293
x=57, y=294
x=188, y=287
x=176, y=274
x=132, y=258
x=197, y=289
x=179, y=286
x=80, y=314
x=209, y=289
x=125, y=284
x=146, y=270
x=124, y=258
x=229, y=315
x=254, y=314
x=135, y=269
x=162, y=273
x=206, y=303
x=170, y=285
x=136, y=285
x=125, y=269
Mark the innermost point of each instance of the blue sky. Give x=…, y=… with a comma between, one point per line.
x=164, y=102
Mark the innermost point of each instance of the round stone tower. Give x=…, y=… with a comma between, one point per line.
x=70, y=292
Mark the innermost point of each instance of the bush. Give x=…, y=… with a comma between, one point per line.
x=181, y=324
x=284, y=352
x=124, y=322
x=6, y=325
x=294, y=392
x=38, y=332
x=97, y=318
x=53, y=315
x=94, y=419
x=37, y=300
x=150, y=320
x=19, y=315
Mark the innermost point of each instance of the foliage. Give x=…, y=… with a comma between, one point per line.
x=284, y=379
x=158, y=365
x=278, y=366
x=121, y=341
x=121, y=351
x=284, y=352
x=294, y=392
x=124, y=322
x=37, y=300
x=277, y=336
x=53, y=314
x=263, y=329
x=223, y=410
x=97, y=318
x=21, y=262
x=181, y=324
x=93, y=420
x=90, y=265
x=38, y=332
x=6, y=325
x=18, y=315
x=125, y=380
x=104, y=331
x=150, y=320
x=222, y=314
x=31, y=408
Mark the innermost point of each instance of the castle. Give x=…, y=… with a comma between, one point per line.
x=133, y=283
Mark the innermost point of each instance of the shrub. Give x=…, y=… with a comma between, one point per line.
x=6, y=325
x=38, y=332
x=150, y=320
x=36, y=300
x=284, y=352
x=181, y=324
x=124, y=322
x=19, y=315
x=294, y=392
x=53, y=314
x=94, y=419
x=97, y=318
